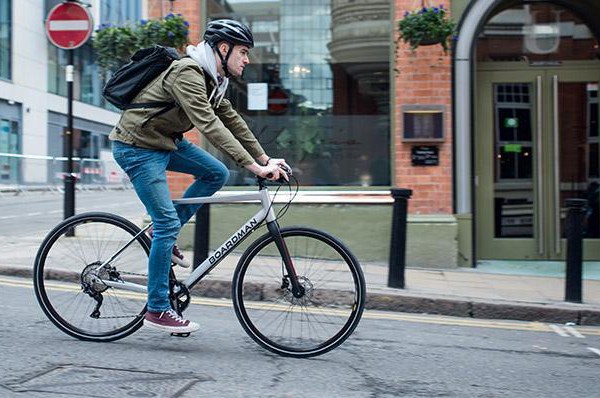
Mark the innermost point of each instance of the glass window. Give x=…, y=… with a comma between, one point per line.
x=5, y=39
x=536, y=32
x=514, y=131
x=592, y=132
x=9, y=143
x=327, y=100
x=119, y=12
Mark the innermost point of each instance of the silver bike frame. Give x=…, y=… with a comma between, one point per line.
x=266, y=213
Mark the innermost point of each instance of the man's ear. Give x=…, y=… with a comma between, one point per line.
x=223, y=48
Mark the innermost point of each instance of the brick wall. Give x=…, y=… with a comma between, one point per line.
x=190, y=9
x=423, y=78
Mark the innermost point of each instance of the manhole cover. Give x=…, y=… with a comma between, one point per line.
x=90, y=381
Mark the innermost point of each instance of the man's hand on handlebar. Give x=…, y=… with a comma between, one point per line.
x=274, y=170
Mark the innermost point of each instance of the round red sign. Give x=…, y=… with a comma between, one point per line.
x=69, y=25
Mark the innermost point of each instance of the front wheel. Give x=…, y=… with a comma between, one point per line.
x=299, y=325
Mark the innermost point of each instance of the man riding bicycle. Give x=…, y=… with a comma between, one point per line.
x=147, y=143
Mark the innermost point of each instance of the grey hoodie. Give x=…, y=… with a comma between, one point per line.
x=204, y=55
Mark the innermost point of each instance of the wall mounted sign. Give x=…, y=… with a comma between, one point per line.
x=425, y=155
x=423, y=123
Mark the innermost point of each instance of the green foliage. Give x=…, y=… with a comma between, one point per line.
x=427, y=25
x=114, y=45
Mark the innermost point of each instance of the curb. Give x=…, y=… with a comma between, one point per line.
x=579, y=314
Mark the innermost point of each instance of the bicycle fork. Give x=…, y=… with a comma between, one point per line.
x=297, y=289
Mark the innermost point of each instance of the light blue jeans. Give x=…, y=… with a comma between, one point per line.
x=146, y=169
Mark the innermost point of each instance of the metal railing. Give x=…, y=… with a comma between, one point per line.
x=24, y=173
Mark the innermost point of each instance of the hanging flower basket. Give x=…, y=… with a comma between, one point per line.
x=114, y=45
x=431, y=41
x=426, y=26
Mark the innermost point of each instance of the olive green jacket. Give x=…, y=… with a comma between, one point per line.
x=184, y=82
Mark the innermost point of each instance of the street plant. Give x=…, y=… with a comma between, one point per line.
x=114, y=44
x=426, y=26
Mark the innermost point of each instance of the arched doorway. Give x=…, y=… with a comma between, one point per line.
x=536, y=132
x=467, y=95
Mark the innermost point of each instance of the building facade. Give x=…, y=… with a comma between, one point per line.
x=492, y=137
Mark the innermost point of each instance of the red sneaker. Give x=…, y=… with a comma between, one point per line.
x=169, y=321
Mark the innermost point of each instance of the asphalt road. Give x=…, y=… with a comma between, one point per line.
x=33, y=214
x=389, y=355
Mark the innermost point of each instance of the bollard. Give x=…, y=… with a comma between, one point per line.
x=574, y=229
x=201, y=234
x=398, y=240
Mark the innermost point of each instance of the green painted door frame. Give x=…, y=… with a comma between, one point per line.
x=518, y=209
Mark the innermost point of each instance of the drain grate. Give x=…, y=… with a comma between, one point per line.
x=90, y=381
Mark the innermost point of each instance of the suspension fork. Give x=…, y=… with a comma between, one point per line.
x=297, y=289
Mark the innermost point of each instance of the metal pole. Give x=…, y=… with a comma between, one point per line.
x=69, y=205
x=573, y=281
x=201, y=234
x=398, y=242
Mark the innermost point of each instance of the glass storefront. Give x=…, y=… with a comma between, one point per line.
x=325, y=106
x=5, y=39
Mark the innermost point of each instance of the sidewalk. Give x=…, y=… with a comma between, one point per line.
x=476, y=293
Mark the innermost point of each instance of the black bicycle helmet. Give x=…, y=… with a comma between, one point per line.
x=228, y=30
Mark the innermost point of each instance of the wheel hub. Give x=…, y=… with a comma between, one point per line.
x=91, y=277
x=303, y=298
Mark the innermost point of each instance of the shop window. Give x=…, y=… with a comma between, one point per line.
x=326, y=106
x=9, y=144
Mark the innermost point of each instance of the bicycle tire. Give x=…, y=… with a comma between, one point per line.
x=306, y=327
x=64, y=282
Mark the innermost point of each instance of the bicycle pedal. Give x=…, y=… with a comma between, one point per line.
x=180, y=334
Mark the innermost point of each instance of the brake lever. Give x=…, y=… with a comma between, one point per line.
x=286, y=170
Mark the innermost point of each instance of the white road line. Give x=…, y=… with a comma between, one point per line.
x=559, y=330
x=594, y=350
x=574, y=332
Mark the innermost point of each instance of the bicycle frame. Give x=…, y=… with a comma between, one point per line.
x=266, y=213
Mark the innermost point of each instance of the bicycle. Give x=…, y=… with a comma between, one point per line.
x=296, y=291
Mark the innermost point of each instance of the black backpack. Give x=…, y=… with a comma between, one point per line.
x=145, y=65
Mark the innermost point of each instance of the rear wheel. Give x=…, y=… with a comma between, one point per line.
x=71, y=286
x=299, y=325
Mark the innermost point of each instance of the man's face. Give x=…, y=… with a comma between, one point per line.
x=238, y=60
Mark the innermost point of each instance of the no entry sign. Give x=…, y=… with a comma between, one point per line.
x=69, y=25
